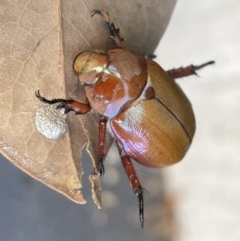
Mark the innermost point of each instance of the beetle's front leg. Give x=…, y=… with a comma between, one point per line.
x=114, y=32
x=134, y=182
x=68, y=105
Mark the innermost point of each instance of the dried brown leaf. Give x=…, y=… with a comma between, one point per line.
x=39, y=40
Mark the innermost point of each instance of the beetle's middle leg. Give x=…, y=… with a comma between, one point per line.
x=134, y=182
x=186, y=71
x=67, y=105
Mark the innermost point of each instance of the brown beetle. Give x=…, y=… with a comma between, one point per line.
x=139, y=103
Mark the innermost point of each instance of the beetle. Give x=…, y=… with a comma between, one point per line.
x=139, y=103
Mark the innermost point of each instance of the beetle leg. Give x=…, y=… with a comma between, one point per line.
x=186, y=71
x=150, y=56
x=101, y=142
x=114, y=32
x=68, y=105
x=134, y=182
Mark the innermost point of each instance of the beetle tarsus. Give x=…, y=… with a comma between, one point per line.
x=186, y=71
x=106, y=18
x=67, y=105
x=114, y=32
x=46, y=101
x=101, y=142
x=101, y=169
x=141, y=207
x=198, y=67
x=101, y=166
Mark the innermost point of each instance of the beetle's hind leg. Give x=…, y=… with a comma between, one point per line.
x=67, y=105
x=186, y=71
x=114, y=32
x=134, y=182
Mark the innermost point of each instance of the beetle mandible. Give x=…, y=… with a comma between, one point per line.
x=139, y=103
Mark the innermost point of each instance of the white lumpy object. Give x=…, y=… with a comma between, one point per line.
x=51, y=122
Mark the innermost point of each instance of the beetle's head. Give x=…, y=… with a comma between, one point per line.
x=89, y=66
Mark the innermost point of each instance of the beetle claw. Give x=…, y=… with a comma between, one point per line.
x=141, y=207
x=101, y=166
x=198, y=67
x=101, y=169
x=42, y=99
x=63, y=105
x=96, y=11
x=114, y=32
